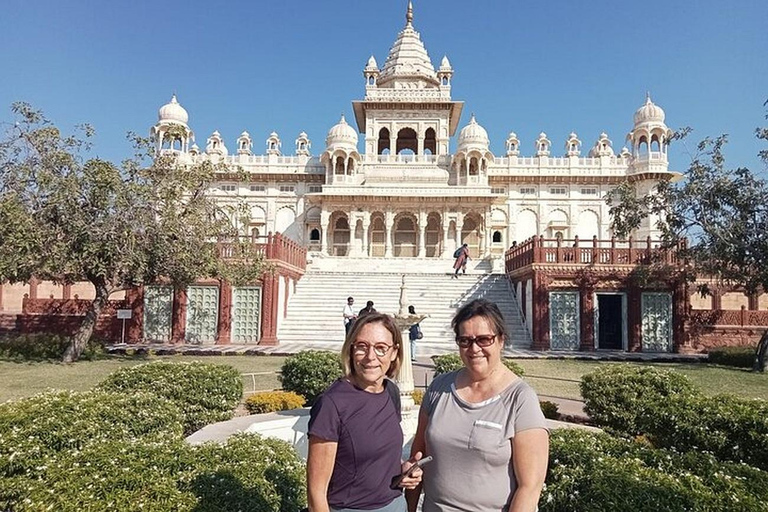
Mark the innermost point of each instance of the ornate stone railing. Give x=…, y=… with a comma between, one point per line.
x=540, y=250
x=67, y=307
x=729, y=317
x=276, y=248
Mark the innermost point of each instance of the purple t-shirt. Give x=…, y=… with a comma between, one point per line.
x=367, y=429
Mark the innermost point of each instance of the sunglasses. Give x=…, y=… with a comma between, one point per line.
x=380, y=349
x=483, y=341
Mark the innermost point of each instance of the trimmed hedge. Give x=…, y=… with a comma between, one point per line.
x=549, y=409
x=598, y=472
x=247, y=473
x=740, y=357
x=205, y=393
x=447, y=363
x=616, y=396
x=271, y=401
x=309, y=373
x=43, y=347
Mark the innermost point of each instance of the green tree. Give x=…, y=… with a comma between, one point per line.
x=720, y=213
x=65, y=218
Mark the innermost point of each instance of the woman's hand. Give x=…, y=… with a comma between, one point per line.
x=414, y=479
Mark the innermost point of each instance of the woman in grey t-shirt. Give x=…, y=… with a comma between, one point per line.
x=483, y=426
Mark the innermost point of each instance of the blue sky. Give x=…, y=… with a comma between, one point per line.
x=556, y=66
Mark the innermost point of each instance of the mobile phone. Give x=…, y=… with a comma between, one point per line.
x=419, y=464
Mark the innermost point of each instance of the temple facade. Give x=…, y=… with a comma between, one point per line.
x=403, y=180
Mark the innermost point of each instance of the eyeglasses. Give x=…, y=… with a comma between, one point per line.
x=380, y=349
x=483, y=341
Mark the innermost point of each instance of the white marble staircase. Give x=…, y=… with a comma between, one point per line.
x=314, y=311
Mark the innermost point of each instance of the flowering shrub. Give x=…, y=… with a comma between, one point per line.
x=447, y=363
x=730, y=428
x=740, y=357
x=205, y=393
x=418, y=396
x=271, y=401
x=598, y=472
x=309, y=373
x=247, y=473
x=36, y=431
x=616, y=396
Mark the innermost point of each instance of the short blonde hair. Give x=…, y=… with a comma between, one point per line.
x=372, y=318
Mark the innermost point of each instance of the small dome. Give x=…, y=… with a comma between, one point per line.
x=245, y=134
x=372, y=65
x=650, y=112
x=341, y=133
x=512, y=135
x=445, y=64
x=473, y=134
x=173, y=112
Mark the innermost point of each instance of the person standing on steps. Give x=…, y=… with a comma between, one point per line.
x=461, y=255
x=366, y=310
x=349, y=315
x=414, y=333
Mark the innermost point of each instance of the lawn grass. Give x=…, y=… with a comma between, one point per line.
x=560, y=377
x=23, y=379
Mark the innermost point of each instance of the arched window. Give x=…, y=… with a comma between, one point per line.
x=497, y=237
x=383, y=141
x=655, y=146
x=406, y=139
x=351, y=164
x=430, y=142
x=642, y=145
x=339, y=165
x=314, y=235
x=473, y=166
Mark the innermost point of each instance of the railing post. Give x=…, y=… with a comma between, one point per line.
x=631, y=250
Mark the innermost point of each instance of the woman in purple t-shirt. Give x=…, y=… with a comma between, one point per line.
x=355, y=439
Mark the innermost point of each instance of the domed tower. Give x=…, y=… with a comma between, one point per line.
x=512, y=144
x=573, y=145
x=341, y=158
x=649, y=139
x=171, y=133
x=303, y=144
x=470, y=163
x=371, y=73
x=543, y=145
x=215, y=145
x=603, y=147
x=244, y=144
x=273, y=144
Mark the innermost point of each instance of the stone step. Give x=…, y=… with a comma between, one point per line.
x=314, y=310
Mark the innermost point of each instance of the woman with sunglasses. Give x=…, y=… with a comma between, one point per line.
x=355, y=439
x=483, y=425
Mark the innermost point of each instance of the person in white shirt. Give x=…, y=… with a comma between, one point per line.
x=349, y=314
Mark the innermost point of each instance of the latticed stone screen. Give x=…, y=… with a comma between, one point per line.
x=158, y=307
x=246, y=314
x=202, y=314
x=564, y=327
x=657, y=322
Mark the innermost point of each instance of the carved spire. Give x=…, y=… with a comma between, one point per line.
x=409, y=14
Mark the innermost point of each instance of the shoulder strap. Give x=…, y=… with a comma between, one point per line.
x=394, y=394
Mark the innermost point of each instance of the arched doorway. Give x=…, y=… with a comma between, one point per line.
x=378, y=236
x=405, y=239
x=433, y=236
x=407, y=139
x=470, y=234
x=340, y=236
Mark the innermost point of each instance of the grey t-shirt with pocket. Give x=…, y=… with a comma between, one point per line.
x=471, y=445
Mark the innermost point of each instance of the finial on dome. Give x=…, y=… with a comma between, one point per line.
x=342, y=121
x=472, y=118
x=648, y=97
x=409, y=14
x=173, y=98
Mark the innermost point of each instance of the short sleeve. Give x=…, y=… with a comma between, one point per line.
x=527, y=411
x=437, y=387
x=324, y=421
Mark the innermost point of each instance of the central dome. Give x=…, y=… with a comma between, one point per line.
x=650, y=112
x=341, y=133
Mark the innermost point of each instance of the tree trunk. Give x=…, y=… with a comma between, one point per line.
x=760, y=353
x=85, y=331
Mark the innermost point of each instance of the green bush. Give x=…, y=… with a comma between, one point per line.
x=731, y=428
x=549, y=409
x=309, y=373
x=205, y=393
x=271, y=401
x=247, y=473
x=36, y=430
x=43, y=347
x=740, y=357
x=447, y=363
x=616, y=396
x=598, y=472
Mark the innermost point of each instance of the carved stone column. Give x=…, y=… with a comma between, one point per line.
x=325, y=218
x=366, y=227
x=540, y=315
x=487, y=231
x=389, y=223
x=422, y=233
x=446, y=229
x=459, y=227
